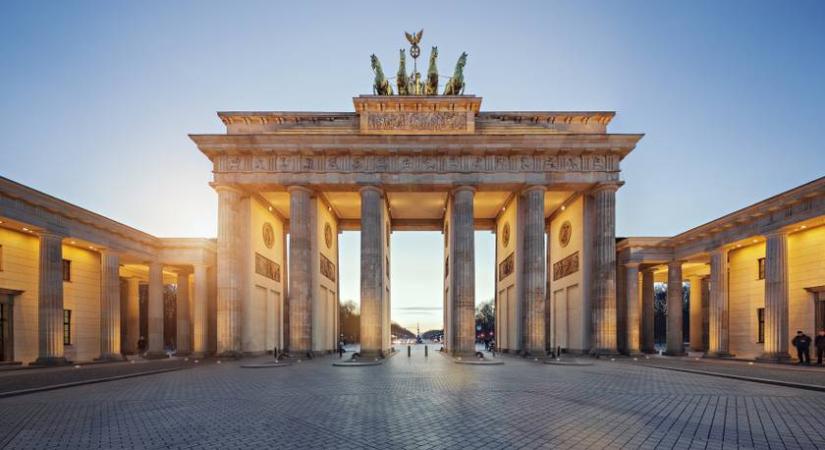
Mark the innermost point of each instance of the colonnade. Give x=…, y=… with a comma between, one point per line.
x=51, y=307
x=776, y=333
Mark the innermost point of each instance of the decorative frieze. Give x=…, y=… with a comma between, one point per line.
x=567, y=266
x=417, y=163
x=327, y=268
x=506, y=267
x=267, y=268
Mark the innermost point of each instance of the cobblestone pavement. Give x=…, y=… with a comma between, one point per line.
x=811, y=375
x=19, y=379
x=418, y=403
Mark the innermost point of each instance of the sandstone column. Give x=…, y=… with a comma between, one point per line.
x=534, y=271
x=675, y=335
x=372, y=275
x=776, y=296
x=718, y=304
x=462, y=286
x=300, y=270
x=604, y=268
x=696, y=343
x=648, y=312
x=50, y=300
x=133, y=315
x=109, y=306
x=229, y=276
x=199, y=312
x=634, y=318
x=184, y=336
x=155, y=314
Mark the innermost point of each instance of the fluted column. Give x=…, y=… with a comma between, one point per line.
x=695, y=337
x=648, y=312
x=50, y=300
x=372, y=275
x=132, y=315
x=718, y=336
x=155, y=311
x=604, y=269
x=776, y=296
x=462, y=286
x=675, y=335
x=229, y=276
x=184, y=336
x=634, y=317
x=199, y=312
x=300, y=270
x=534, y=271
x=110, y=306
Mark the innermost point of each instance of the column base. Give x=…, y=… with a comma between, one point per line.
x=230, y=354
x=155, y=355
x=719, y=355
x=183, y=353
x=110, y=357
x=674, y=353
x=50, y=361
x=775, y=357
x=604, y=352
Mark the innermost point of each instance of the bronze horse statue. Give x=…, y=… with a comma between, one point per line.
x=432, y=74
x=456, y=84
x=381, y=86
x=401, y=78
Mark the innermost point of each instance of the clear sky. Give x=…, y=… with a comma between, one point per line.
x=97, y=98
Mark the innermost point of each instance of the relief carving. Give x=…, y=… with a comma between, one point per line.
x=417, y=121
x=506, y=267
x=327, y=268
x=567, y=266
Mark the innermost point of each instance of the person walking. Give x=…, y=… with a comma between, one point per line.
x=802, y=342
x=141, y=345
x=819, y=343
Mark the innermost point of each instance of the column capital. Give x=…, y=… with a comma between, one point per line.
x=535, y=187
x=371, y=188
x=465, y=187
x=607, y=186
x=777, y=232
x=50, y=234
x=299, y=188
x=632, y=264
x=226, y=188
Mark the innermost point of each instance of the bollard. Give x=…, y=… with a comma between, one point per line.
x=426, y=351
x=408, y=351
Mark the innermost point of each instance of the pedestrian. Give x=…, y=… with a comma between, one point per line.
x=141, y=344
x=341, y=348
x=802, y=342
x=819, y=343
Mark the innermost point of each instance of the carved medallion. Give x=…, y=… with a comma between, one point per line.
x=328, y=235
x=565, y=232
x=268, y=235
x=505, y=234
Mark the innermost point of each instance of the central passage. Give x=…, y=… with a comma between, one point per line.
x=416, y=281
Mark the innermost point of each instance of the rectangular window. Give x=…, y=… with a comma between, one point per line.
x=67, y=270
x=67, y=327
x=760, y=317
x=761, y=268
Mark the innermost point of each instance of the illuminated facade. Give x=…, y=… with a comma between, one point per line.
x=77, y=286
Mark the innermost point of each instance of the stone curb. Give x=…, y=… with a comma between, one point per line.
x=810, y=387
x=53, y=387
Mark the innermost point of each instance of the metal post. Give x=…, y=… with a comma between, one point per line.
x=426, y=351
x=408, y=351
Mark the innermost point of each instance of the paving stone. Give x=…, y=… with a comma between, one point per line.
x=418, y=403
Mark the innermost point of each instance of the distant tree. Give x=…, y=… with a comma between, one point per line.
x=485, y=318
x=401, y=333
x=350, y=321
x=432, y=334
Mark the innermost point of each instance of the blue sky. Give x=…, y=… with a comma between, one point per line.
x=97, y=98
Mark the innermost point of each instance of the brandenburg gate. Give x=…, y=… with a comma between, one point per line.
x=289, y=183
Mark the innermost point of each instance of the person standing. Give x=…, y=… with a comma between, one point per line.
x=802, y=342
x=819, y=343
